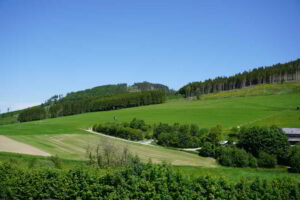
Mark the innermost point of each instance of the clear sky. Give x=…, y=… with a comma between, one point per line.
x=52, y=47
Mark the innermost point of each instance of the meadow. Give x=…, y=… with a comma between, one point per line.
x=74, y=146
x=266, y=105
x=228, y=112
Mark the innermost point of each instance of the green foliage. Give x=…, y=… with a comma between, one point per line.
x=208, y=149
x=235, y=157
x=56, y=161
x=136, y=130
x=215, y=135
x=252, y=161
x=70, y=107
x=110, y=156
x=266, y=160
x=278, y=73
x=270, y=140
x=144, y=86
x=137, y=181
x=294, y=160
x=32, y=114
x=100, y=91
x=176, y=135
x=139, y=124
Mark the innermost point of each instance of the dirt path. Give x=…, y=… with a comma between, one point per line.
x=145, y=142
x=9, y=145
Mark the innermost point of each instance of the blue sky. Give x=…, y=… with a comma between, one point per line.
x=59, y=46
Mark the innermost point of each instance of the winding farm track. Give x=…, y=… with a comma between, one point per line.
x=10, y=145
x=145, y=142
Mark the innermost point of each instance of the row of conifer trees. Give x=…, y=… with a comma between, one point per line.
x=64, y=108
x=273, y=74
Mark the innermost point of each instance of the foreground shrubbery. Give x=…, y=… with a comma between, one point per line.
x=136, y=181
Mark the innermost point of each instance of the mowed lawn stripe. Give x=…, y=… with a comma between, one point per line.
x=74, y=146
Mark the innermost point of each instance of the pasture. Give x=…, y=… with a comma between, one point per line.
x=228, y=112
x=66, y=138
x=74, y=146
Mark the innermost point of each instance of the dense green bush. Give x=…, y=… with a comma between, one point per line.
x=228, y=156
x=215, y=135
x=139, y=124
x=184, y=135
x=137, y=181
x=294, y=160
x=235, y=157
x=266, y=160
x=118, y=130
x=252, y=161
x=208, y=150
x=135, y=130
x=270, y=140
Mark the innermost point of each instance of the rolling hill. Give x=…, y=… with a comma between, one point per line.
x=272, y=104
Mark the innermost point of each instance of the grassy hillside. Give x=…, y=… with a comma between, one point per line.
x=279, y=109
x=74, y=146
x=64, y=136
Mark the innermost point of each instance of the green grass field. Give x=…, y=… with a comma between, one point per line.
x=74, y=146
x=265, y=105
x=227, y=112
x=235, y=174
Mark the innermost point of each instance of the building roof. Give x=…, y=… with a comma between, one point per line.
x=295, y=131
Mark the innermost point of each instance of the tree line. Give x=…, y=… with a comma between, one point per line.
x=108, y=90
x=135, y=130
x=66, y=107
x=272, y=74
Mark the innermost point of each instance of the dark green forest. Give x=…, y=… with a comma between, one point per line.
x=105, y=90
x=272, y=74
x=149, y=86
x=68, y=107
x=110, y=90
